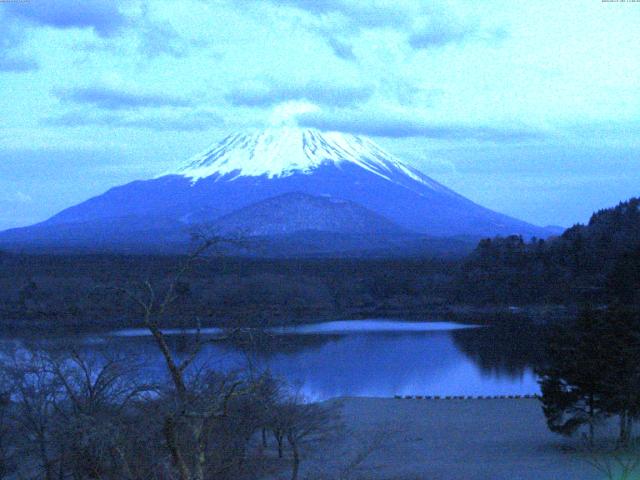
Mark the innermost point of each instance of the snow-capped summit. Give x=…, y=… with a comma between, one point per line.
x=284, y=151
x=246, y=181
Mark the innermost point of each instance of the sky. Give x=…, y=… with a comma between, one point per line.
x=531, y=108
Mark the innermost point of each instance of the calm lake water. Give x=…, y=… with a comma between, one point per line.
x=378, y=358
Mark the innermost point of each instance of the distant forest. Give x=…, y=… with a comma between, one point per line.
x=597, y=263
x=253, y=291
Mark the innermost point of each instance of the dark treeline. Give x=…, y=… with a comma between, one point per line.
x=594, y=263
x=60, y=287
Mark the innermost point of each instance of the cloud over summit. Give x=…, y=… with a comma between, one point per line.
x=320, y=93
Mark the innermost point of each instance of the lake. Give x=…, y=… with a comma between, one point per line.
x=379, y=358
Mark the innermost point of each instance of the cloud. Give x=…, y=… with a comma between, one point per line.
x=441, y=30
x=370, y=14
x=266, y=95
x=430, y=26
x=14, y=63
x=287, y=113
x=115, y=99
x=191, y=121
x=341, y=49
x=338, y=22
x=407, y=126
x=11, y=39
x=439, y=35
x=337, y=36
x=314, y=6
x=161, y=38
x=104, y=17
x=426, y=25
x=196, y=121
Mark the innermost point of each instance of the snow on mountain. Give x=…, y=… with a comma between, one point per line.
x=284, y=151
x=246, y=180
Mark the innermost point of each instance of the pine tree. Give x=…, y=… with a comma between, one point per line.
x=621, y=371
x=571, y=382
x=593, y=372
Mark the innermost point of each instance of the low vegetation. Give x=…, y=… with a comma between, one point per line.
x=73, y=416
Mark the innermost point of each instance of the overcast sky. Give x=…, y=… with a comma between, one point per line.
x=530, y=107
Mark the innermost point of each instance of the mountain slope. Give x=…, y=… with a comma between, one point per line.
x=246, y=169
x=298, y=212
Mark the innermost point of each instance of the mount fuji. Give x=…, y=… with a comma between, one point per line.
x=274, y=183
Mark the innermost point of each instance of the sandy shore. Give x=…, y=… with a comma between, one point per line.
x=496, y=439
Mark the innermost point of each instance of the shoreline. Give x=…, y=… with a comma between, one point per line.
x=538, y=315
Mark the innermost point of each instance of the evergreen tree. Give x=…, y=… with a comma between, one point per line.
x=593, y=372
x=623, y=282
x=571, y=381
x=621, y=371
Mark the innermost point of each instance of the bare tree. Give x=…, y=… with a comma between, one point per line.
x=301, y=424
x=187, y=425
x=96, y=392
x=67, y=415
x=7, y=429
x=35, y=393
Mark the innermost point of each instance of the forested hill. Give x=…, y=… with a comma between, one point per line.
x=598, y=262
